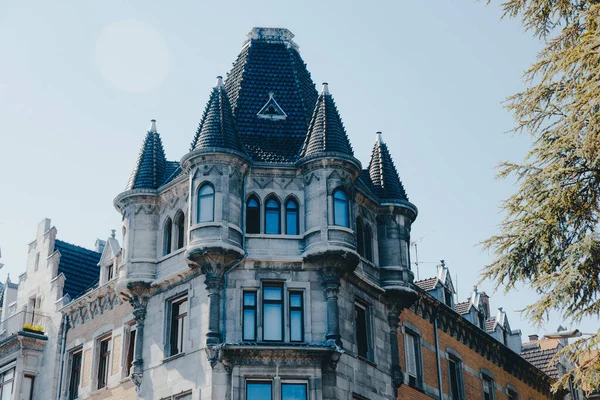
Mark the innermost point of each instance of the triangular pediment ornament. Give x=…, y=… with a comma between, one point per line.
x=272, y=110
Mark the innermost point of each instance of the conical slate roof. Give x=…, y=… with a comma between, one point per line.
x=270, y=67
x=384, y=177
x=326, y=131
x=217, y=127
x=151, y=165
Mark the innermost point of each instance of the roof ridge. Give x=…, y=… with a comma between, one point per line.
x=75, y=245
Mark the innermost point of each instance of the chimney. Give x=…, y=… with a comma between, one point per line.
x=485, y=299
x=533, y=337
x=99, y=246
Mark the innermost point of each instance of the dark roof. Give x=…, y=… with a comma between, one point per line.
x=462, y=308
x=79, y=265
x=541, y=357
x=427, y=284
x=326, y=131
x=271, y=64
x=384, y=175
x=217, y=127
x=150, y=168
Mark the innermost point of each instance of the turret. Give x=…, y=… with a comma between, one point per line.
x=216, y=165
x=139, y=206
x=395, y=217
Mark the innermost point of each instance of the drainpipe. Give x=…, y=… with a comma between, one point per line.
x=62, y=354
x=224, y=297
x=437, y=352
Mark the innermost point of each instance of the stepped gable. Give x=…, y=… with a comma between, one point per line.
x=270, y=67
x=151, y=166
x=217, y=127
x=383, y=173
x=326, y=131
x=80, y=267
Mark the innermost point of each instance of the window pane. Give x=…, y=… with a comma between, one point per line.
x=206, y=208
x=252, y=217
x=293, y=391
x=252, y=203
x=291, y=222
x=272, y=222
x=296, y=326
x=249, y=325
x=454, y=377
x=411, y=364
x=295, y=300
x=258, y=391
x=27, y=387
x=272, y=321
x=340, y=216
x=249, y=298
x=272, y=293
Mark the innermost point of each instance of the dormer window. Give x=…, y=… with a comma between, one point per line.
x=271, y=110
x=448, y=298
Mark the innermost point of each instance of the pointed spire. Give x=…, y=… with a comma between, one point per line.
x=150, y=168
x=383, y=173
x=217, y=127
x=326, y=131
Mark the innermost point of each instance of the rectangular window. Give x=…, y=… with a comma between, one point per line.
x=294, y=391
x=28, y=381
x=489, y=389
x=249, y=317
x=413, y=359
x=296, y=317
x=455, y=368
x=130, y=350
x=259, y=391
x=109, y=273
x=272, y=312
x=7, y=379
x=75, y=374
x=103, y=362
x=178, y=323
x=512, y=395
x=362, y=330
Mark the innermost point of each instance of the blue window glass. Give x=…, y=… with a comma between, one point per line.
x=249, y=321
x=258, y=391
x=340, y=208
x=296, y=317
x=273, y=312
x=272, y=217
x=293, y=391
x=291, y=218
x=206, y=204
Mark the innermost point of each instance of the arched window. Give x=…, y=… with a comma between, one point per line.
x=291, y=218
x=206, y=203
x=340, y=208
x=179, y=230
x=272, y=217
x=359, y=237
x=167, y=230
x=252, y=215
x=368, y=244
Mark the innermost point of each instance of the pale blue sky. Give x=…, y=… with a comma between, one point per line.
x=430, y=74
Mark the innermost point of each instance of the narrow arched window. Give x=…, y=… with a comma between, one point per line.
x=179, y=230
x=368, y=244
x=340, y=208
x=167, y=230
x=206, y=203
x=252, y=215
x=359, y=237
x=291, y=217
x=272, y=217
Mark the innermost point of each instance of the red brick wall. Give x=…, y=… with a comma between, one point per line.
x=472, y=384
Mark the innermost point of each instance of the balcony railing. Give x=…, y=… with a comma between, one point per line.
x=24, y=321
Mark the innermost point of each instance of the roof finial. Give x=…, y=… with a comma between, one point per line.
x=219, y=81
x=325, y=89
x=441, y=261
x=152, y=126
x=501, y=309
x=379, y=139
x=113, y=233
x=475, y=288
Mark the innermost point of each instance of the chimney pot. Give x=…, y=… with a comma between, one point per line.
x=533, y=337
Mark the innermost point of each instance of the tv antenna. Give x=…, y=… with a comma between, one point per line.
x=415, y=244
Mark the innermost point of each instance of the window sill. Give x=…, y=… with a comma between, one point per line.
x=369, y=263
x=171, y=254
x=273, y=236
x=366, y=360
x=126, y=379
x=171, y=358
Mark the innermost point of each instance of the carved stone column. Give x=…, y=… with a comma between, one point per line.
x=330, y=281
x=139, y=294
x=213, y=286
x=397, y=375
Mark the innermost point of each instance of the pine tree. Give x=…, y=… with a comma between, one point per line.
x=549, y=237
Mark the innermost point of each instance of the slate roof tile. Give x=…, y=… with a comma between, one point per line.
x=383, y=173
x=80, y=267
x=262, y=67
x=541, y=358
x=326, y=131
x=150, y=168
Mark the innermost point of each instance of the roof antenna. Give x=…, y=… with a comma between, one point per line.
x=416, y=242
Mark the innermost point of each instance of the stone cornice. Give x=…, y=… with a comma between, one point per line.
x=92, y=304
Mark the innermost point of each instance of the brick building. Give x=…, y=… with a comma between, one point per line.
x=266, y=264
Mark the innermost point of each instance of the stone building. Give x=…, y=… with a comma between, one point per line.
x=266, y=264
